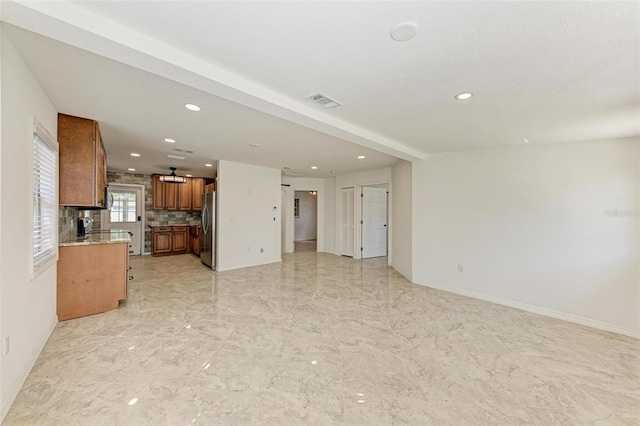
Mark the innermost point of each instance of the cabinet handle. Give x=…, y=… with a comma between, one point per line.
x=130, y=251
x=130, y=277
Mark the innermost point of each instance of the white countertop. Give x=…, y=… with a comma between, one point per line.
x=106, y=237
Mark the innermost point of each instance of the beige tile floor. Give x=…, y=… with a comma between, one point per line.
x=322, y=339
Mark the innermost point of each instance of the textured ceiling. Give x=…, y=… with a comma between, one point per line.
x=550, y=72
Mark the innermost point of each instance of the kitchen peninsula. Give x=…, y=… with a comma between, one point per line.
x=93, y=273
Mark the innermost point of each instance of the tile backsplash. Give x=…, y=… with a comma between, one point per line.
x=67, y=223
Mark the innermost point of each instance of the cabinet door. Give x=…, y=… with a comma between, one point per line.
x=179, y=239
x=77, y=161
x=171, y=196
x=195, y=244
x=197, y=188
x=101, y=167
x=161, y=242
x=157, y=193
x=184, y=195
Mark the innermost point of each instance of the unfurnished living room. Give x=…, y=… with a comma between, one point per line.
x=314, y=212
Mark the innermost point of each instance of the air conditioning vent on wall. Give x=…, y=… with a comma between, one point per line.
x=323, y=100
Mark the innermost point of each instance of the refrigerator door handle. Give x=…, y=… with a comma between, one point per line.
x=205, y=219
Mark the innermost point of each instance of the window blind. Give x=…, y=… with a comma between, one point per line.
x=45, y=199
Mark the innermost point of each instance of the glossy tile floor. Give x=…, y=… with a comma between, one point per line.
x=322, y=339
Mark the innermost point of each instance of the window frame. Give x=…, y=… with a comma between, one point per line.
x=41, y=132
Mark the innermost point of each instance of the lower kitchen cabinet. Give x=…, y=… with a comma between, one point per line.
x=194, y=232
x=161, y=240
x=180, y=239
x=168, y=240
x=92, y=278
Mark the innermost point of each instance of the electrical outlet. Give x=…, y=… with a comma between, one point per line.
x=5, y=349
x=460, y=268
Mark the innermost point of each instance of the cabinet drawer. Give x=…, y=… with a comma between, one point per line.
x=161, y=229
x=179, y=228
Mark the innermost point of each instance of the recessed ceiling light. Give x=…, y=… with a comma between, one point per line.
x=333, y=172
x=314, y=167
x=526, y=140
x=360, y=157
x=404, y=31
x=254, y=145
x=208, y=165
x=192, y=107
x=170, y=140
x=464, y=96
x=189, y=175
x=131, y=170
x=135, y=154
x=175, y=157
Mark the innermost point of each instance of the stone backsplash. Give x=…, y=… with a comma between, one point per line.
x=67, y=223
x=152, y=217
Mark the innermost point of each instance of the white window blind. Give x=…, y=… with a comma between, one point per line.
x=45, y=199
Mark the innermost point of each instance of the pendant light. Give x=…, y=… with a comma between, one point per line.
x=172, y=178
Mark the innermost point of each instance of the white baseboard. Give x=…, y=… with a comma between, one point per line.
x=248, y=265
x=7, y=401
x=576, y=319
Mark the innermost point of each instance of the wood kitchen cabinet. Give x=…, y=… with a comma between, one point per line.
x=179, y=239
x=83, y=163
x=157, y=193
x=175, y=196
x=92, y=278
x=184, y=195
x=194, y=232
x=161, y=240
x=168, y=240
x=197, y=188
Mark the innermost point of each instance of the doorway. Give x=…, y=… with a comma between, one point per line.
x=126, y=211
x=305, y=212
x=374, y=222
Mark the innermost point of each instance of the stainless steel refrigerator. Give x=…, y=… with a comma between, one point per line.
x=208, y=234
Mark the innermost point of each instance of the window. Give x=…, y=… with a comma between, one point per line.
x=45, y=199
x=123, y=207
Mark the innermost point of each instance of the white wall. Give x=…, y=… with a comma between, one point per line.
x=28, y=311
x=357, y=180
x=306, y=224
x=328, y=212
x=311, y=184
x=529, y=227
x=247, y=221
x=401, y=220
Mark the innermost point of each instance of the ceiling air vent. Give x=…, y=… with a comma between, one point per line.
x=323, y=100
x=186, y=151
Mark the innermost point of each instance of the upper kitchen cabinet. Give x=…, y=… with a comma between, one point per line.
x=197, y=188
x=83, y=163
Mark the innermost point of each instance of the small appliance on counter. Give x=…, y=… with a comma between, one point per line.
x=85, y=226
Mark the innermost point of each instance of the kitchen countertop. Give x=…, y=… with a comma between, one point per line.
x=111, y=237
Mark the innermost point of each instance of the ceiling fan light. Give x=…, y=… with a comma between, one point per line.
x=172, y=178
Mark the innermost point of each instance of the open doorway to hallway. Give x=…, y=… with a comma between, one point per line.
x=305, y=212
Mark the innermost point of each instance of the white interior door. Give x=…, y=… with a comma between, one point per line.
x=374, y=222
x=125, y=212
x=348, y=219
